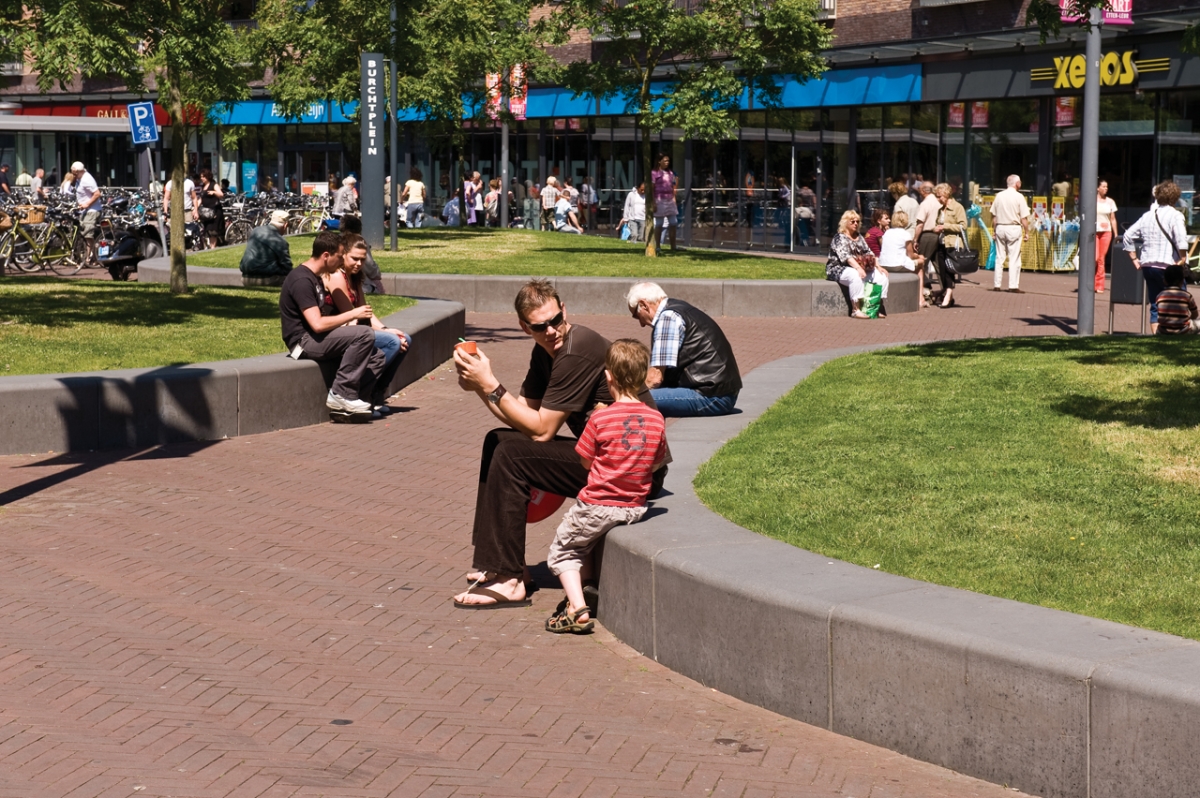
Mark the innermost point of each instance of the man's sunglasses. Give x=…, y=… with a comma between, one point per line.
x=542, y=326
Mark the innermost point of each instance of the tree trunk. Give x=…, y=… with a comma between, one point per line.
x=179, y=282
x=647, y=167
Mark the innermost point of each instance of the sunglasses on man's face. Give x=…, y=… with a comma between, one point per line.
x=542, y=326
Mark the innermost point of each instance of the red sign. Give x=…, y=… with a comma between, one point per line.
x=1119, y=12
x=103, y=111
x=979, y=114
x=518, y=88
x=494, y=94
x=1064, y=111
x=956, y=115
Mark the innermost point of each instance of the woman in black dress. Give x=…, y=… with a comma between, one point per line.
x=212, y=215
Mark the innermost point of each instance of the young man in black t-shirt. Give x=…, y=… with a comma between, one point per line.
x=313, y=329
x=565, y=382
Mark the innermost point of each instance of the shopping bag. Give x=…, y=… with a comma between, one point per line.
x=872, y=299
x=624, y=232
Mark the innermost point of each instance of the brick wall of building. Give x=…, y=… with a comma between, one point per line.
x=866, y=21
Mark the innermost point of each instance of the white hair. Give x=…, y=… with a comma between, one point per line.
x=651, y=293
x=1013, y=180
x=348, y=180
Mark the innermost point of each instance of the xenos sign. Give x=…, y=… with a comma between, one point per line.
x=1114, y=70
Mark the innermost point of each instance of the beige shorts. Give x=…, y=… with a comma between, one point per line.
x=89, y=223
x=581, y=527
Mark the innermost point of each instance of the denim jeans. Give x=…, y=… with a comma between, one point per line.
x=684, y=402
x=389, y=345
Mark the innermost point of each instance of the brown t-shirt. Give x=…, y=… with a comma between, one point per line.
x=573, y=379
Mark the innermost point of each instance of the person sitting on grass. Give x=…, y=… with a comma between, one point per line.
x=346, y=287
x=565, y=220
x=621, y=447
x=267, y=257
x=314, y=330
x=1177, y=312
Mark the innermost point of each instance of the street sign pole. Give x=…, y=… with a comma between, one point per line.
x=370, y=118
x=1089, y=165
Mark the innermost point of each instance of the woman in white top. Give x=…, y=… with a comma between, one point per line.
x=414, y=194
x=897, y=253
x=1156, y=241
x=1106, y=228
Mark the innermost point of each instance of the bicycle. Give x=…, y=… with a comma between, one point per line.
x=48, y=247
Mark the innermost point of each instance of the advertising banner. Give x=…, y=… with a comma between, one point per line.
x=1119, y=12
x=519, y=89
x=1039, y=207
x=1064, y=111
x=956, y=115
x=979, y=114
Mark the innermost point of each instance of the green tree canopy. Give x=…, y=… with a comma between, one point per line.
x=689, y=64
x=184, y=49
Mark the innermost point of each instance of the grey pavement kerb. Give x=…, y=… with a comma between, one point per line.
x=1050, y=702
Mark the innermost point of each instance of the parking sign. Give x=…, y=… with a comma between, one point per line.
x=142, y=124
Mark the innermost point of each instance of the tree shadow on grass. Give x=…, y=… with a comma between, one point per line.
x=1167, y=402
x=66, y=304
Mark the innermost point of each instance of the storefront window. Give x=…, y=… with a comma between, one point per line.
x=1004, y=142
x=1179, y=148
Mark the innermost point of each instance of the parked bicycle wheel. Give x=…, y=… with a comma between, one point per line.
x=6, y=264
x=22, y=255
x=310, y=224
x=238, y=232
x=59, y=256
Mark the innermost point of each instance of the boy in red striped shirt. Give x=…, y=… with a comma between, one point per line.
x=621, y=447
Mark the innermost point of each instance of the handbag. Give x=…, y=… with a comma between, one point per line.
x=208, y=214
x=962, y=260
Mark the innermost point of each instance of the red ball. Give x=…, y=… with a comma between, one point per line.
x=542, y=505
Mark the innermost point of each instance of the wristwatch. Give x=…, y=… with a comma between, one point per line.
x=495, y=396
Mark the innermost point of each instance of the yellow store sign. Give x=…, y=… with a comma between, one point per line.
x=1116, y=69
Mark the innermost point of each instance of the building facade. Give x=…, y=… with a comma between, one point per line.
x=944, y=90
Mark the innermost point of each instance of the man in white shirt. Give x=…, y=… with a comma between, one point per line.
x=565, y=220
x=549, y=200
x=191, y=202
x=634, y=214
x=35, y=184
x=1010, y=215
x=87, y=198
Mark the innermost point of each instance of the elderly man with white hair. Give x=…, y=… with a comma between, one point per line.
x=346, y=199
x=267, y=259
x=1010, y=215
x=692, y=368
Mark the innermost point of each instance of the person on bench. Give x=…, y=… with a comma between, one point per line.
x=314, y=330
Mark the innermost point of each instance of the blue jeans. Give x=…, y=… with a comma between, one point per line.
x=684, y=402
x=389, y=345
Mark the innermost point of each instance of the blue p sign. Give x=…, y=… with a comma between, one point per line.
x=141, y=123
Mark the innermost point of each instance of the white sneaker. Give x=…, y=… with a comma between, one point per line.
x=335, y=402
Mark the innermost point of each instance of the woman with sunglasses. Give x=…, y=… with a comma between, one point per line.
x=849, y=257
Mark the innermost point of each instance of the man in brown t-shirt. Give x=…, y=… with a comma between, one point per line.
x=565, y=382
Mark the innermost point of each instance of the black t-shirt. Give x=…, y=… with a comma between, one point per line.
x=573, y=379
x=4, y=182
x=301, y=290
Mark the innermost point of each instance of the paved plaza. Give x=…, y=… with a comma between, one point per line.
x=271, y=616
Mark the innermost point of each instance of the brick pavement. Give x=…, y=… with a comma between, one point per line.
x=270, y=616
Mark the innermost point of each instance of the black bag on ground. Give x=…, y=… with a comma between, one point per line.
x=962, y=260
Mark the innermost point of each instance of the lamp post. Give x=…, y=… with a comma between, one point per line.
x=1089, y=165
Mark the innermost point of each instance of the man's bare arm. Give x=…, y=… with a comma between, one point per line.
x=319, y=324
x=654, y=377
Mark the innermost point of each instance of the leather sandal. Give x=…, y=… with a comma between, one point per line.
x=565, y=622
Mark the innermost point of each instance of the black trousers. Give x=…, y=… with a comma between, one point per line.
x=510, y=467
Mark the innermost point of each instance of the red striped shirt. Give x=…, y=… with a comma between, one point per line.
x=624, y=441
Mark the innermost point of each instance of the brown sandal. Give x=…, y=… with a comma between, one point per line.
x=567, y=621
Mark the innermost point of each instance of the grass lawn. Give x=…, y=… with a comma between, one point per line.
x=1054, y=471
x=49, y=325
x=519, y=252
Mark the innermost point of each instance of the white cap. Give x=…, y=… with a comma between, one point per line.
x=78, y=167
x=279, y=218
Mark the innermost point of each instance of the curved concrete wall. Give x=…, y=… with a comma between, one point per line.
x=1051, y=703
x=204, y=401
x=603, y=295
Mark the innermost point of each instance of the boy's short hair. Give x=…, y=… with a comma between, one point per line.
x=1173, y=276
x=326, y=241
x=533, y=295
x=627, y=360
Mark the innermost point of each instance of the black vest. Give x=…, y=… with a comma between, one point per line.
x=706, y=362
